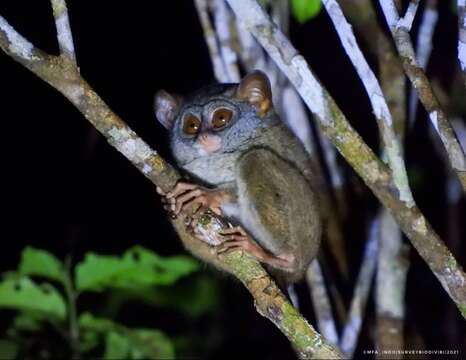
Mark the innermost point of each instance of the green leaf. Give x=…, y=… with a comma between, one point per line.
x=121, y=341
x=8, y=349
x=116, y=346
x=87, y=321
x=138, y=267
x=304, y=10
x=89, y=340
x=27, y=322
x=25, y=295
x=36, y=262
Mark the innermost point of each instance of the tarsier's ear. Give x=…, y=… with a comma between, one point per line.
x=166, y=106
x=255, y=88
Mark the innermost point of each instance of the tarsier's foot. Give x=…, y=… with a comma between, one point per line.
x=238, y=238
x=193, y=198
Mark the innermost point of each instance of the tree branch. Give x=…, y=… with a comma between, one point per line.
x=421, y=83
x=382, y=113
x=349, y=337
x=321, y=303
x=392, y=262
x=392, y=270
x=423, y=49
x=462, y=36
x=211, y=40
x=354, y=150
x=62, y=24
x=62, y=74
x=223, y=24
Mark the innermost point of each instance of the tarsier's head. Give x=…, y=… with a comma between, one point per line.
x=217, y=119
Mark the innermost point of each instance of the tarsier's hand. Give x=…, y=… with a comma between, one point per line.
x=193, y=199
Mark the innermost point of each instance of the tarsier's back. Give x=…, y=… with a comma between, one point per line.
x=229, y=137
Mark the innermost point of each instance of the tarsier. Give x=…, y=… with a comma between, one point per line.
x=247, y=166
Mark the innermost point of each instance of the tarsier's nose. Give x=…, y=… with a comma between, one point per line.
x=209, y=142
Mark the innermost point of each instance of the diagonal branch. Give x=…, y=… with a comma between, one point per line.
x=63, y=75
x=376, y=97
x=421, y=83
x=354, y=150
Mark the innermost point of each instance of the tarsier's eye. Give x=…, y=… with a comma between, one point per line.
x=221, y=118
x=191, y=124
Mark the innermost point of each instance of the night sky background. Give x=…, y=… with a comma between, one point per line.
x=66, y=190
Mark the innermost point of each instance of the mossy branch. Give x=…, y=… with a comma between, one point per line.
x=62, y=73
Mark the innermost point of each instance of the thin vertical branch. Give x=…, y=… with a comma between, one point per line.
x=391, y=284
x=321, y=303
x=223, y=24
x=211, y=40
x=349, y=337
x=462, y=36
x=423, y=49
x=62, y=24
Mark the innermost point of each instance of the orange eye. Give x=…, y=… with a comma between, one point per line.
x=221, y=118
x=191, y=124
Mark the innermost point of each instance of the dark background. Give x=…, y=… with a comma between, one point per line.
x=64, y=189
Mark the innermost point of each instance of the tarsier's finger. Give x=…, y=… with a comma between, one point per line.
x=188, y=197
x=217, y=210
x=180, y=188
x=194, y=205
x=229, y=245
x=233, y=230
x=235, y=237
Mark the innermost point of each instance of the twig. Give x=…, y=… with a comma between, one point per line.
x=62, y=24
x=354, y=150
x=64, y=76
x=349, y=338
x=321, y=303
x=382, y=113
x=391, y=280
x=211, y=40
x=421, y=83
x=222, y=18
x=406, y=21
x=423, y=49
x=392, y=77
x=462, y=36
